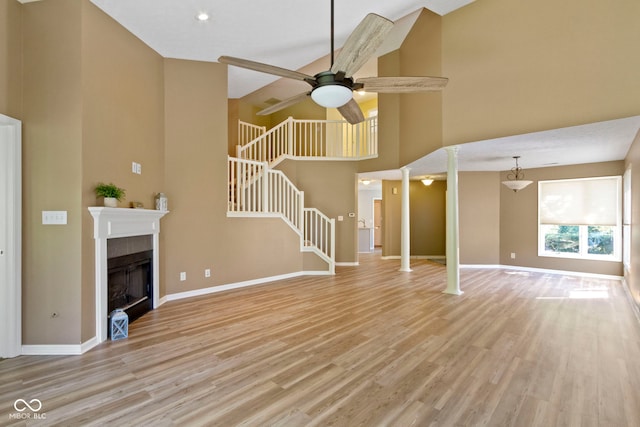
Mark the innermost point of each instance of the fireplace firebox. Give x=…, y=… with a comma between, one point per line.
x=130, y=283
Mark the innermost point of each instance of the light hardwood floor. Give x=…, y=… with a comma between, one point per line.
x=368, y=347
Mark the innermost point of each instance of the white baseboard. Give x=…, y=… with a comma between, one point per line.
x=221, y=288
x=317, y=273
x=415, y=257
x=347, y=264
x=543, y=270
x=59, y=349
x=51, y=350
x=634, y=306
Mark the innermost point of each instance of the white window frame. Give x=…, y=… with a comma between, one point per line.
x=626, y=219
x=583, y=230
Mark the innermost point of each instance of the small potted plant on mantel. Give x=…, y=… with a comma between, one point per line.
x=111, y=194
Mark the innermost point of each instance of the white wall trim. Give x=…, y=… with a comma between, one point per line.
x=11, y=248
x=51, y=350
x=59, y=349
x=634, y=306
x=237, y=285
x=544, y=271
x=347, y=264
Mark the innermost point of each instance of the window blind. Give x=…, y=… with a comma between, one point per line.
x=592, y=201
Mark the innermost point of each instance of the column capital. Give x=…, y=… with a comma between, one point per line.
x=452, y=148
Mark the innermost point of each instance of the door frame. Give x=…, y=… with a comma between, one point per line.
x=11, y=257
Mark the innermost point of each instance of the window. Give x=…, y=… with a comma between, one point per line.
x=580, y=218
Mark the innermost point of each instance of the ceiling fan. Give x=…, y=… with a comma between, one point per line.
x=334, y=88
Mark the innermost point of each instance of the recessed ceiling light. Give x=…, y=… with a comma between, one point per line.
x=202, y=16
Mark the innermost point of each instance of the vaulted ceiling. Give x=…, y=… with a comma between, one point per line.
x=295, y=34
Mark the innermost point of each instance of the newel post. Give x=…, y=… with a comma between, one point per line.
x=265, y=187
x=301, y=222
x=290, y=137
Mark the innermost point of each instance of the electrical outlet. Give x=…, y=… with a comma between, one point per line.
x=207, y=272
x=513, y=255
x=183, y=276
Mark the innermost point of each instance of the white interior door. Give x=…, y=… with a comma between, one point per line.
x=10, y=237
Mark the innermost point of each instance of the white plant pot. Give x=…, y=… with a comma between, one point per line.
x=110, y=202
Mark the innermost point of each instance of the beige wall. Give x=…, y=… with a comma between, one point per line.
x=122, y=122
x=479, y=217
x=410, y=125
x=106, y=100
x=522, y=66
x=519, y=220
x=10, y=58
x=52, y=171
x=632, y=276
x=197, y=233
x=332, y=188
x=421, y=113
x=427, y=218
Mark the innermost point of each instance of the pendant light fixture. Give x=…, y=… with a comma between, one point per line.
x=515, y=179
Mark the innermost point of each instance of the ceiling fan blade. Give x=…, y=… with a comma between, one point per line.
x=263, y=68
x=283, y=104
x=402, y=84
x=362, y=44
x=351, y=112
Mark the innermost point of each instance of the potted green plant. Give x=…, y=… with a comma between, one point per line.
x=111, y=193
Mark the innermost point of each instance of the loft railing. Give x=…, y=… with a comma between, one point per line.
x=313, y=139
x=247, y=132
x=257, y=190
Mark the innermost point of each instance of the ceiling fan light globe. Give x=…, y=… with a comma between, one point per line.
x=331, y=96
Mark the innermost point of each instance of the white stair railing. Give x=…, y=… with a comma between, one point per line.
x=246, y=186
x=284, y=199
x=314, y=139
x=257, y=190
x=247, y=132
x=320, y=232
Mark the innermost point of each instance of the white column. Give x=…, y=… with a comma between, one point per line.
x=405, y=239
x=453, y=246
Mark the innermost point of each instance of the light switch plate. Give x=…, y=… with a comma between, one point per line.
x=54, y=217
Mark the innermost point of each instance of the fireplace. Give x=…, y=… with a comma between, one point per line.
x=130, y=283
x=139, y=230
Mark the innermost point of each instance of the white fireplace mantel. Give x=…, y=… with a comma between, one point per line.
x=111, y=223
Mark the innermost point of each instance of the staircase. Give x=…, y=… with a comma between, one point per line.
x=256, y=189
x=309, y=139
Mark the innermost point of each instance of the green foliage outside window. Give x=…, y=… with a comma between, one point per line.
x=600, y=240
x=563, y=238
x=566, y=239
